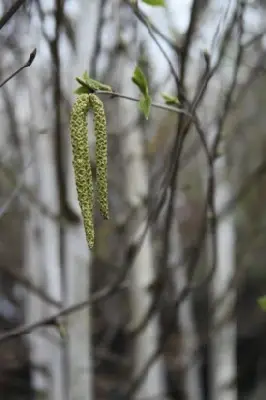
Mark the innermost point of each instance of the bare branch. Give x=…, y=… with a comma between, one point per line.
x=9, y=14
x=28, y=284
x=150, y=29
x=27, y=64
x=97, y=47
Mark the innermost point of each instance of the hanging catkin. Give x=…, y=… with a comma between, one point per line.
x=101, y=154
x=81, y=163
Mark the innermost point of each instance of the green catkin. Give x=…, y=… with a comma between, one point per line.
x=81, y=163
x=101, y=154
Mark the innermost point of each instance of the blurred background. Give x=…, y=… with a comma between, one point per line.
x=166, y=304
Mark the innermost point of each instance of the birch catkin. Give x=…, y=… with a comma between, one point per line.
x=81, y=163
x=101, y=154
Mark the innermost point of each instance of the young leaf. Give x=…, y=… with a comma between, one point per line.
x=140, y=80
x=81, y=81
x=81, y=90
x=262, y=302
x=145, y=105
x=155, y=3
x=85, y=77
x=170, y=100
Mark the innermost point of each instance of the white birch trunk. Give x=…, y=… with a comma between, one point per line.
x=78, y=255
x=136, y=193
x=142, y=274
x=41, y=252
x=223, y=361
x=192, y=383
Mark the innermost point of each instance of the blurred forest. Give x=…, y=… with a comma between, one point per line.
x=165, y=306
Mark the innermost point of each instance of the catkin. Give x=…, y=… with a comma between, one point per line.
x=81, y=163
x=101, y=154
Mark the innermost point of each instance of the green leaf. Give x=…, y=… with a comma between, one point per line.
x=92, y=84
x=155, y=3
x=145, y=105
x=81, y=81
x=81, y=90
x=140, y=80
x=85, y=77
x=262, y=302
x=170, y=100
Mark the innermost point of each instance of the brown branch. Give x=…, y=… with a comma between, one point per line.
x=9, y=14
x=29, y=194
x=145, y=20
x=209, y=205
x=27, y=64
x=101, y=295
x=30, y=286
x=97, y=47
x=150, y=29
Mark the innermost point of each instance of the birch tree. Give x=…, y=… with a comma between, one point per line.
x=177, y=265
x=223, y=323
x=223, y=362
x=57, y=256
x=78, y=255
x=42, y=262
x=136, y=194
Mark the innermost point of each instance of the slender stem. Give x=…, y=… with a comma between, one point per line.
x=154, y=104
x=10, y=12
x=27, y=64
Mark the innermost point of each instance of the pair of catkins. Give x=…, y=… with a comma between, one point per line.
x=81, y=159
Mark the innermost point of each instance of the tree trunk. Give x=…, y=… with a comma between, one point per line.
x=41, y=255
x=190, y=365
x=223, y=362
x=136, y=193
x=78, y=260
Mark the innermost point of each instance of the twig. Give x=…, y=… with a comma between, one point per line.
x=4, y=208
x=188, y=39
x=150, y=29
x=9, y=14
x=212, y=222
x=31, y=196
x=145, y=20
x=100, y=295
x=154, y=305
x=183, y=126
x=154, y=104
x=27, y=64
x=97, y=46
x=28, y=284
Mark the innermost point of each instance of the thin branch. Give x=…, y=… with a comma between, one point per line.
x=24, y=281
x=176, y=156
x=97, y=47
x=182, y=131
x=156, y=105
x=30, y=195
x=188, y=40
x=101, y=295
x=145, y=20
x=229, y=94
x=5, y=207
x=9, y=14
x=254, y=39
x=27, y=64
x=48, y=321
x=150, y=29
x=183, y=127
x=212, y=220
